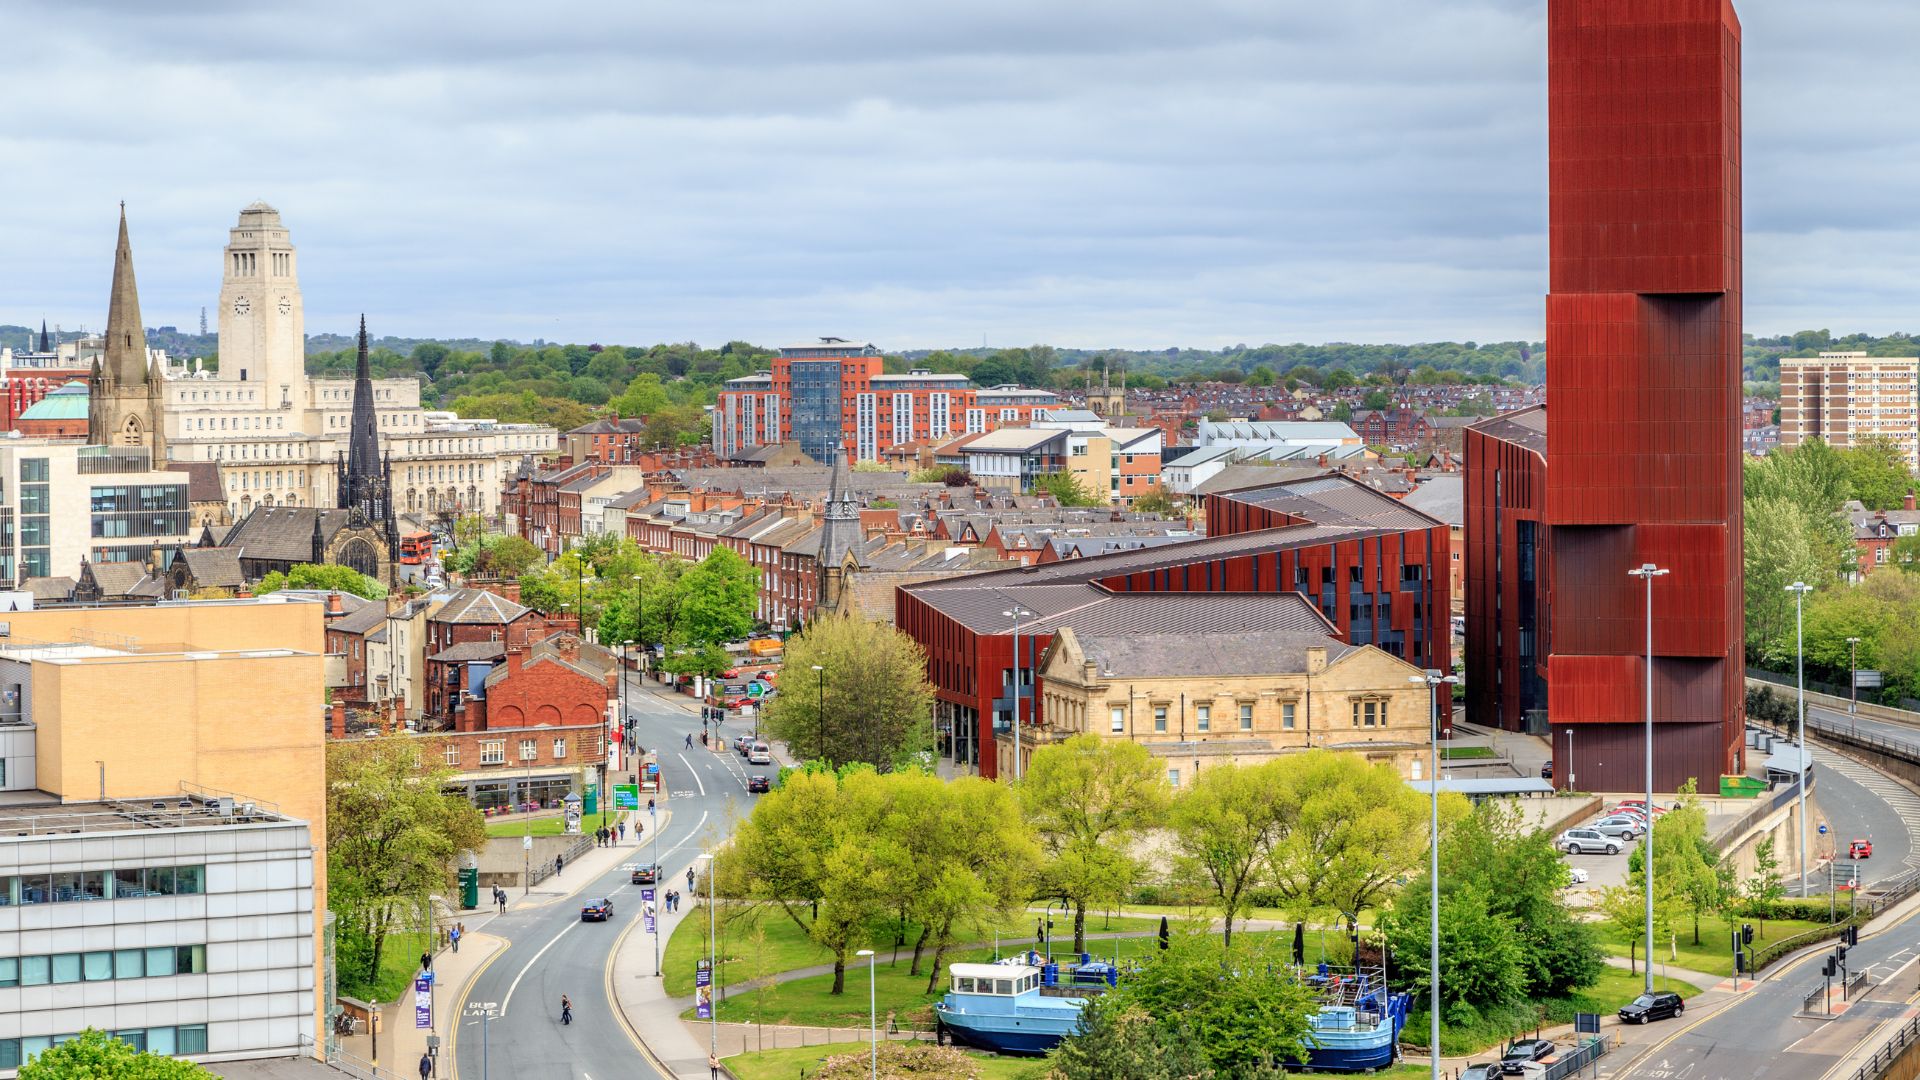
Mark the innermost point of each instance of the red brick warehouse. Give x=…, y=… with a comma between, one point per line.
x=1642, y=448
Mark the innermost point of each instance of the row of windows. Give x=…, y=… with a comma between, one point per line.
x=125, y=883
x=494, y=751
x=185, y=1039
x=1366, y=713
x=169, y=523
x=101, y=966
x=126, y=498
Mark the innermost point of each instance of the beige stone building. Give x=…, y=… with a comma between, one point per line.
x=1199, y=700
x=1846, y=398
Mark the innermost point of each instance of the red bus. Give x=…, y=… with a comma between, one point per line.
x=416, y=548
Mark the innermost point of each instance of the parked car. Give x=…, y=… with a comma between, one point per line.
x=1481, y=1072
x=1577, y=875
x=645, y=874
x=1652, y=1007
x=743, y=744
x=1860, y=849
x=1585, y=842
x=760, y=754
x=1624, y=826
x=758, y=785
x=1523, y=1053
x=1546, y=770
x=597, y=910
x=1641, y=805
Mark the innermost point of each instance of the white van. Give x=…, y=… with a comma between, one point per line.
x=761, y=754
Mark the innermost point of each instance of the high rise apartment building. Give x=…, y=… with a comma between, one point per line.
x=1846, y=398
x=834, y=394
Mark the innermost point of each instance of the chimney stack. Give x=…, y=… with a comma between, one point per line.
x=1907, y=503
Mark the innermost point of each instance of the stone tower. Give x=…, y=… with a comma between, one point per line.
x=840, y=538
x=366, y=480
x=262, y=319
x=1109, y=401
x=123, y=403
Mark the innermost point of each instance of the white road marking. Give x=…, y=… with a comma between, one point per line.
x=515, y=985
x=694, y=772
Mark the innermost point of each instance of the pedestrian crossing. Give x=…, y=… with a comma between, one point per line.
x=1898, y=798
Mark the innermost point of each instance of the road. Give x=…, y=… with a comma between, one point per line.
x=1858, y=803
x=553, y=953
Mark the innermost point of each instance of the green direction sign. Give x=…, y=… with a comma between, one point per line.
x=626, y=796
x=755, y=689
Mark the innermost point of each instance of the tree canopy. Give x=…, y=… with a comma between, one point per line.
x=1090, y=800
x=873, y=686
x=322, y=576
x=96, y=1055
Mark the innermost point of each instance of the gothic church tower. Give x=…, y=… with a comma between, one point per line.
x=366, y=481
x=123, y=402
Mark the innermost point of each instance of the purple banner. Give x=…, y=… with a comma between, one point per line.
x=423, y=1001
x=703, y=991
x=650, y=922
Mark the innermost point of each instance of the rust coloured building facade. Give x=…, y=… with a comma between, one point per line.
x=1643, y=451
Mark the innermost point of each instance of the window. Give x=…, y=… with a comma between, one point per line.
x=451, y=754
x=1117, y=717
x=96, y=966
x=493, y=752
x=66, y=967
x=1160, y=718
x=1173, y=777
x=1203, y=717
x=529, y=749
x=1369, y=713
x=1286, y=716
x=559, y=748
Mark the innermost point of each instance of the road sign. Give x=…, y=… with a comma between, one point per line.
x=526, y=842
x=1823, y=828
x=755, y=689
x=1867, y=679
x=626, y=796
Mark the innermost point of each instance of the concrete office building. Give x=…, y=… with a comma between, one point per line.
x=1846, y=398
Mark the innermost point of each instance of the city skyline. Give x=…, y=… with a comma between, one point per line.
x=1229, y=174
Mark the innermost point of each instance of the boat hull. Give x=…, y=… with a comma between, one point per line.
x=1015, y=1036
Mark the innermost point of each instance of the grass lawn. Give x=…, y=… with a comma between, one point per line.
x=784, y=947
x=1466, y=753
x=399, y=960
x=789, y=1063
x=1488, y=1037
x=1713, y=955
x=551, y=826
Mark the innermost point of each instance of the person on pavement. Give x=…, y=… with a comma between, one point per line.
x=426, y=961
x=566, y=1009
x=689, y=740
x=453, y=935
x=426, y=1066
x=559, y=861
x=689, y=877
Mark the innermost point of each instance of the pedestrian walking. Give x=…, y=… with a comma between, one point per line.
x=620, y=832
x=689, y=740
x=426, y=961
x=500, y=898
x=454, y=936
x=559, y=861
x=426, y=1066
x=689, y=877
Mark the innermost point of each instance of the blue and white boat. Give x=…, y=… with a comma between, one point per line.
x=1358, y=1025
x=1020, y=1006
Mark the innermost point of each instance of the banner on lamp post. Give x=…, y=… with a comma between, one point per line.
x=703, y=990
x=423, y=1001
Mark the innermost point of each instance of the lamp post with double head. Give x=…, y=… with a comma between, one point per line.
x=1647, y=572
x=1434, y=680
x=1800, y=589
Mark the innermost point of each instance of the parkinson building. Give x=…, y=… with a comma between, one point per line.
x=279, y=437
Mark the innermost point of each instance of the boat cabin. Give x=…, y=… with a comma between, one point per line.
x=997, y=980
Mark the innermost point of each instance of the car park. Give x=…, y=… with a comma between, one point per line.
x=1860, y=849
x=599, y=910
x=1586, y=841
x=758, y=785
x=645, y=874
x=1657, y=1006
x=1624, y=826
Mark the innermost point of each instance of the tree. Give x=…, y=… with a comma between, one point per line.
x=1683, y=857
x=1877, y=473
x=873, y=685
x=1239, y=1011
x=1225, y=826
x=1624, y=906
x=1481, y=961
x=1261, y=376
x=1090, y=800
x=1351, y=829
x=1786, y=541
x=676, y=425
x=563, y=586
x=1156, y=501
x=643, y=396
x=322, y=576
x=95, y=1055
x=1066, y=489
x=1116, y=1041
x=1759, y=893
x=393, y=835
x=640, y=611
x=1337, y=379
x=1377, y=399
x=713, y=603
x=492, y=554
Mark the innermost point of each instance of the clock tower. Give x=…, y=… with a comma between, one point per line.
x=262, y=325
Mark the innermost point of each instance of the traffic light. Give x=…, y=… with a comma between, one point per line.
x=1746, y=933
x=1831, y=968
x=1852, y=935
x=1840, y=954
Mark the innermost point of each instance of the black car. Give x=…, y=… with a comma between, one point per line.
x=1513, y=1062
x=597, y=910
x=1546, y=770
x=645, y=874
x=1652, y=1007
x=758, y=785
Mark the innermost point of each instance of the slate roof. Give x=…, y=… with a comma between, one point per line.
x=1443, y=497
x=1246, y=652
x=628, y=425
x=49, y=589
x=203, y=480
x=283, y=533
x=1093, y=609
x=478, y=607
x=1526, y=427
x=360, y=620
x=117, y=578
x=470, y=650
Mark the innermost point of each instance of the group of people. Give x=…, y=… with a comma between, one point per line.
x=672, y=899
x=607, y=836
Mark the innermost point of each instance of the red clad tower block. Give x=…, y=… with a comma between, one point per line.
x=1643, y=388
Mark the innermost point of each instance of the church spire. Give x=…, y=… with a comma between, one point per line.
x=126, y=352
x=45, y=342
x=363, y=445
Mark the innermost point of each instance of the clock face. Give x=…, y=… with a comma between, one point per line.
x=286, y=306
x=242, y=305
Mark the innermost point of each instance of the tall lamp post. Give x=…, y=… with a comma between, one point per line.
x=640, y=617
x=1800, y=589
x=1853, y=679
x=1016, y=614
x=1647, y=572
x=626, y=718
x=713, y=929
x=1434, y=681
x=820, y=676
x=873, y=1015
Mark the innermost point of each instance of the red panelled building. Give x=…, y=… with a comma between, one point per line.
x=1642, y=461
x=1374, y=567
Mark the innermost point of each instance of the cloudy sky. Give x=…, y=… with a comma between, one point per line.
x=1122, y=172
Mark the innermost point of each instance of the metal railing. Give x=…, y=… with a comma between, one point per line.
x=544, y=869
x=1570, y=1064
x=1883, y=1058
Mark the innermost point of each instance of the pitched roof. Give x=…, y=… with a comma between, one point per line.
x=203, y=480
x=283, y=533
x=617, y=425
x=478, y=607
x=1443, y=497
x=360, y=620
x=49, y=589
x=470, y=650
x=1245, y=652
x=1526, y=428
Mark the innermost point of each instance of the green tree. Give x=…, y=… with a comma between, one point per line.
x=492, y=553
x=642, y=610
x=393, y=837
x=322, y=576
x=713, y=603
x=1240, y=1011
x=1350, y=829
x=1338, y=379
x=1119, y=1041
x=1481, y=961
x=1066, y=489
x=1225, y=826
x=1089, y=801
x=565, y=585
x=1760, y=892
x=1877, y=473
x=1377, y=399
x=1157, y=500
x=1261, y=376
x=644, y=396
x=95, y=1055
x=676, y=425
x=1786, y=541
x=872, y=684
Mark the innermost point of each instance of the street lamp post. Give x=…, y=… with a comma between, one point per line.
x=820, y=676
x=1434, y=680
x=873, y=1015
x=1800, y=589
x=1647, y=572
x=1853, y=680
x=1016, y=614
x=713, y=967
x=653, y=826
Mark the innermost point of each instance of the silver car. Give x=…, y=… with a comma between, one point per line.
x=1586, y=842
x=1624, y=826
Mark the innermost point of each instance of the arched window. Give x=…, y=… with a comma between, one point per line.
x=359, y=555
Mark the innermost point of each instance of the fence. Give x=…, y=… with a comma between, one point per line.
x=544, y=871
x=1883, y=1058
x=1763, y=808
x=1570, y=1064
x=1839, y=690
